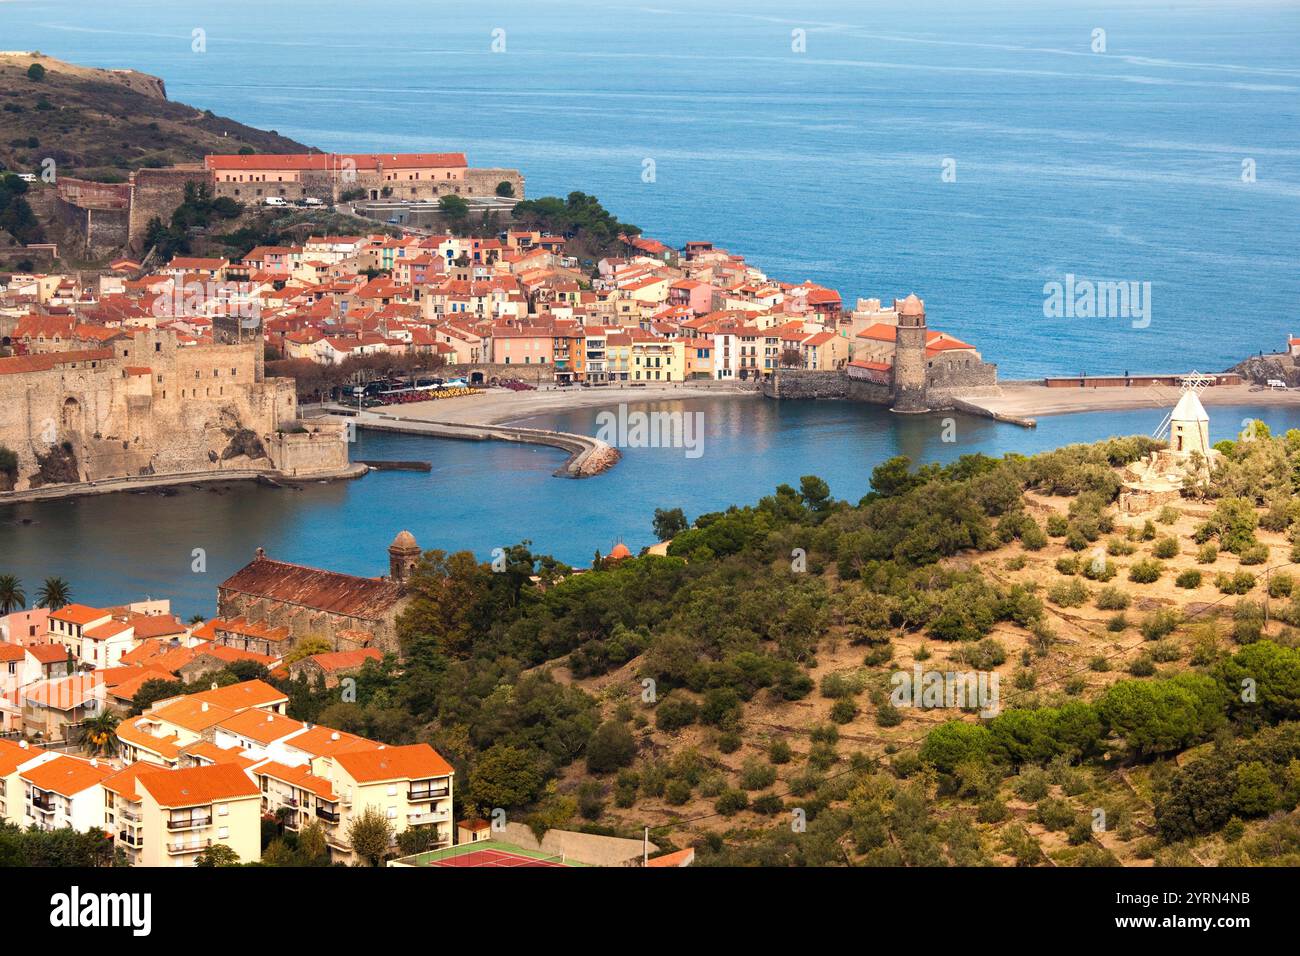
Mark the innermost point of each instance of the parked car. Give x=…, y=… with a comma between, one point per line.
x=274, y=201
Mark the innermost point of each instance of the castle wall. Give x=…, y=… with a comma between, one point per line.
x=484, y=182
x=958, y=374
x=157, y=193
x=322, y=448
x=153, y=408
x=100, y=231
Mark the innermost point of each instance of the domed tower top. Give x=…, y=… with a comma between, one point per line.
x=403, y=556
x=911, y=311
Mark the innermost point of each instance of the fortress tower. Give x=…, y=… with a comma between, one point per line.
x=909, y=357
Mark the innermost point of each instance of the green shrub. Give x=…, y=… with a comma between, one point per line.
x=1168, y=515
x=1254, y=554
x=844, y=710
x=756, y=775
x=1071, y=593
x=1057, y=525
x=676, y=792
x=1111, y=598
x=1118, y=547
x=778, y=751
x=1208, y=554
x=1160, y=624
x=1165, y=548
x=728, y=742
x=1117, y=623
x=1191, y=578
x=1280, y=585
x=731, y=802
x=1145, y=571
x=1069, y=564
x=675, y=711
x=1238, y=582
x=983, y=655
x=1099, y=664
x=1142, y=666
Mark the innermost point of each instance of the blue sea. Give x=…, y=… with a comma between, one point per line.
x=813, y=138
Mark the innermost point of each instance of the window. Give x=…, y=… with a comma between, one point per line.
x=223, y=833
x=392, y=790
x=392, y=813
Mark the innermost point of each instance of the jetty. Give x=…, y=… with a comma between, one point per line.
x=588, y=456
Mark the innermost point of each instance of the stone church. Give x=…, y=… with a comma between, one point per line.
x=269, y=607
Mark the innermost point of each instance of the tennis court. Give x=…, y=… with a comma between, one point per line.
x=494, y=853
x=495, y=858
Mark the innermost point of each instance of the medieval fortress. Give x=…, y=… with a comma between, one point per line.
x=897, y=360
x=142, y=405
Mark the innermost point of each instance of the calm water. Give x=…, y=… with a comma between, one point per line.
x=824, y=164
x=482, y=495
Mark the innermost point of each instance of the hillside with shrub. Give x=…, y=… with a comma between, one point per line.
x=737, y=694
x=103, y=124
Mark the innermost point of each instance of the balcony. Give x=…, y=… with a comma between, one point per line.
x=127, y=838
x=420, y=819
x=190, y=822
x=44, y=804
x=176, y=847
x=325, y=814
x=420, y=794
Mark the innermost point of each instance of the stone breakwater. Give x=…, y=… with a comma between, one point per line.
x=588, y=456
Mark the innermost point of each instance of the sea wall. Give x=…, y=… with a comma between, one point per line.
x=798, y=383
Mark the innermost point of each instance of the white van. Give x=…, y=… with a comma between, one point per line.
x=312, y=201
x=274, y=201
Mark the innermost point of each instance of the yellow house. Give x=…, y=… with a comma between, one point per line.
x=618, y=356
x=659, y=360
x=185, y=812
x=410, y=786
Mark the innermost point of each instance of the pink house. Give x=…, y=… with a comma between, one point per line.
x=25, y=627
x=693, y=294
x=529, y=345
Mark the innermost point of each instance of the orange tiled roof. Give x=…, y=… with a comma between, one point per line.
x=394, y=763
x=66, y=775
x=193, y=786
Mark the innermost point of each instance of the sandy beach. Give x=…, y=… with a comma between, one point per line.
x=498, y=406
x=1025, y=400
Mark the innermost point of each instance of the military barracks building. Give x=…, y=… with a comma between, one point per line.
x=327, y=176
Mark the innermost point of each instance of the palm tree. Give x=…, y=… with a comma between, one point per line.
x=99, y=734
x=54, y=594
x=12, y=597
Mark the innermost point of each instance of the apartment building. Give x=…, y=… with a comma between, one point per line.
x=411, y=786
x=64, y=792
x=184, y=812
x=14, y=759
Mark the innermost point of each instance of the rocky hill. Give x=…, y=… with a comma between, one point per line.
x=1262, y=369
x=102, y=124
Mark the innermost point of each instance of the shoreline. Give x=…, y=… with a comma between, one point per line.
x=1027, y=400
x=109, y=486
x=504, y=407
